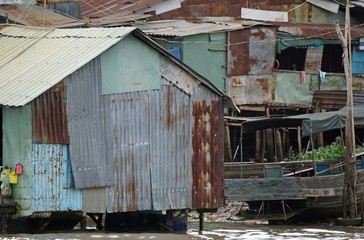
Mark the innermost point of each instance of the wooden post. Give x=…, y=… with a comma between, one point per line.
x=228, y=151
x=349, y=197
x=258, y=145
x=279, y=146
x=299, y=141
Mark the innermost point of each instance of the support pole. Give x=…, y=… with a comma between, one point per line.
x=201, y=221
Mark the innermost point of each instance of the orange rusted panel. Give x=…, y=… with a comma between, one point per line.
x=208, y=154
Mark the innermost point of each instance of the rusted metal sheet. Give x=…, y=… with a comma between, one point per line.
x=34, y=15
x=324, y=31
x=208, y=154
x=251, y=51
x=49, y=117
x=313, y=59
x=250, y=90
x=198, y=8
x=237, y=59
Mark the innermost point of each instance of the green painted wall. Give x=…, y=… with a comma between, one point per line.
x=204, y=53
x=290, y=90
x=207, y=56
x=17, y=147
x=130, y=66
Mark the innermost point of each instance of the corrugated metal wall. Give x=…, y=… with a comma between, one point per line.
x=170, y=148
x=49, y=117
x=128, y=143
x=53, y=180
x=91, y=162
x=147, y=140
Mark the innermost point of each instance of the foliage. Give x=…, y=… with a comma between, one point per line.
x=327, y=152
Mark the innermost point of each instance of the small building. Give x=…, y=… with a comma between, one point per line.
x=105, y=120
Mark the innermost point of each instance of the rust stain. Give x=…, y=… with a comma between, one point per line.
x=260, y=34
x=207, y=159
x=264, y=83
x=238, y=62
x=49, y=117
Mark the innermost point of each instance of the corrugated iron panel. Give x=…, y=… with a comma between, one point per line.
x=102, y=8
x=69, y=8
x=170, y=124
x=251, y=51
x=180, y=28
x=128, y=146
x=251, y=90
x=208, y=154
x=49, y=59
x=197, y=8
x=88, y=128
x=52, y=180
x=49, y=117
x=37, y=16
x=324, y=31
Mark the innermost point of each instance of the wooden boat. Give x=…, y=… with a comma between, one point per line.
x=291, y=191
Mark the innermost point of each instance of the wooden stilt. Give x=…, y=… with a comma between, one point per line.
x=228, y=152
x=279, y=146
x=258, y=141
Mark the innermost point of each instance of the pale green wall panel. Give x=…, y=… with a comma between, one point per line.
x=206, y=54
x=17, y=147
x=290, y=89
x=130, y=66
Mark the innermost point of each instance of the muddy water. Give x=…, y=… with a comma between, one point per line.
x=214, y=231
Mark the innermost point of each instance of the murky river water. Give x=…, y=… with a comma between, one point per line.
x=215, y=231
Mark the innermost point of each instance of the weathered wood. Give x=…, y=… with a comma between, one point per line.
x=349, y=197
x=228, y=151
x=263, y=189
x=299, y=141
x=279, y=146
x=258, y=145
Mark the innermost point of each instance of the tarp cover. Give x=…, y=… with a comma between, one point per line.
x=311, y=123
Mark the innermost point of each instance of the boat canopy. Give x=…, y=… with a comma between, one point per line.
x=311, y=123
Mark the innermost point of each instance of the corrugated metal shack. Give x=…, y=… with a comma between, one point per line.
x=113, y=123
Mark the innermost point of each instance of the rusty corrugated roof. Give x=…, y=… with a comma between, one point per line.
x=102, y=8
x=111, y=12
x=324, y=31
x=180, y=28
x=36, y=16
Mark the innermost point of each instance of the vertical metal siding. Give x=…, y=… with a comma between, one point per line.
x=170, y=148
x=87, y=126
x=129, y=145
x=208, y=154
x=52, y=179
x=49, y=117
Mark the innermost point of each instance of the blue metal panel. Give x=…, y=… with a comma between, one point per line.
x=358, y=62
x=53, y=180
